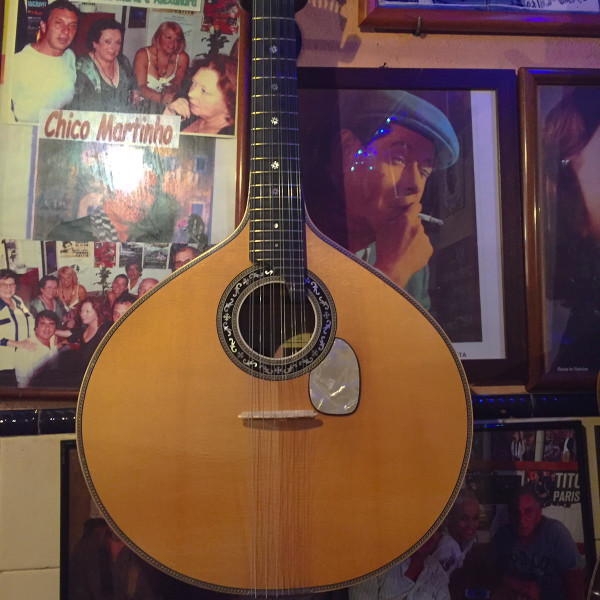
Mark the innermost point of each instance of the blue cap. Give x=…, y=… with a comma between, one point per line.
x=369, y=114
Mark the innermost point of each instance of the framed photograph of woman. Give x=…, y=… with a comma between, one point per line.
x=416, y=172
x=561, y=146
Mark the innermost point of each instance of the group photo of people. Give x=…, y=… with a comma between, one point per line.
x=126, y=59
x=65, y=296
x=516, y=529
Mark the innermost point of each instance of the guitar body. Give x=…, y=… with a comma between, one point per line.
x=272, y=504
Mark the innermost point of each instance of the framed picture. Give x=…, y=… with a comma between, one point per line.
x=462, y=260
x=94, y=562
x=60, y=180
x=521, y=526
x=520, y=17
x=538, y=469
x=561, y=145
x=201, y=39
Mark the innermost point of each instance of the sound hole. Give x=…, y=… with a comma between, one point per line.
x=272, y=324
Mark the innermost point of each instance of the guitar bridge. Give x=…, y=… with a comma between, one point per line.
x=271, y=415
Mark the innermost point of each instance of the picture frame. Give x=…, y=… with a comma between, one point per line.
x=552, y=459
x=214, y=215
x=546, y=458
x=488, y=17
x=558, y=242
x=499, y=355
x=86, y=544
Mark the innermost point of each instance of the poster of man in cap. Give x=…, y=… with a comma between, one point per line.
x=392, y=176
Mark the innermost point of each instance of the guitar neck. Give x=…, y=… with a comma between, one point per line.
x=275, y=193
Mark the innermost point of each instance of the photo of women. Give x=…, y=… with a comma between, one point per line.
x=160, y=67
x=105, y=79
x=209, y=106
x=571, y=143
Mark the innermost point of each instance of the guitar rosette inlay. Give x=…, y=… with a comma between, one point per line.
x=269, y=335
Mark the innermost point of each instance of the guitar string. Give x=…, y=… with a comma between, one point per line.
x=255, y=396
x=269, y=519
x=282, y=202
x=282, y=198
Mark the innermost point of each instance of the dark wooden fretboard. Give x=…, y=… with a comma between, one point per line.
x=275, y=194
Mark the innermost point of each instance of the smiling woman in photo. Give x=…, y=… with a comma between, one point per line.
x=160, y=67
x=105, y=79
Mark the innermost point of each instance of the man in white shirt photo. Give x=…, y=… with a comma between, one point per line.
x=43, y=73
x=28, y=362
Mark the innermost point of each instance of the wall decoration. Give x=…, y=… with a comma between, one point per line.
x=561, y=145
x=541, y=464
x=59, y=174
x=463, y=262
x=131, y=82
x=519, y=468
x=519, y=17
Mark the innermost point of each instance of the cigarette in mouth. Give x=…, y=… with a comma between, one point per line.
x=430, y=219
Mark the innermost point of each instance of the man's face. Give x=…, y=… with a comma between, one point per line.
x=146, y=285
x=463, y=527
x=119, y=310
x=59, y=31
x=119, y=285
x=183, y=257
x=44, y=330
x=387, y=177
x=133, y=272
x=527, y=514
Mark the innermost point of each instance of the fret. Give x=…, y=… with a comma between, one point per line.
x=276, y=122
x=276, y=226
x=277, y=218
x=287, y=191
x=275, y=58
x=292, y=144
x=276, y=247
x=289, y=260
x=291, y=77
x=289, y=204
x=295, y=220
x=291, y=129
x=278, y=214
x=273, y=38
x=282, y=162
x=273, y=238
x=278, y=111
x=273, y=18
x=279, y=95
x=288, y=197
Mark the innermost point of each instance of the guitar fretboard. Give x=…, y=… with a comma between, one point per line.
x=275, y=195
